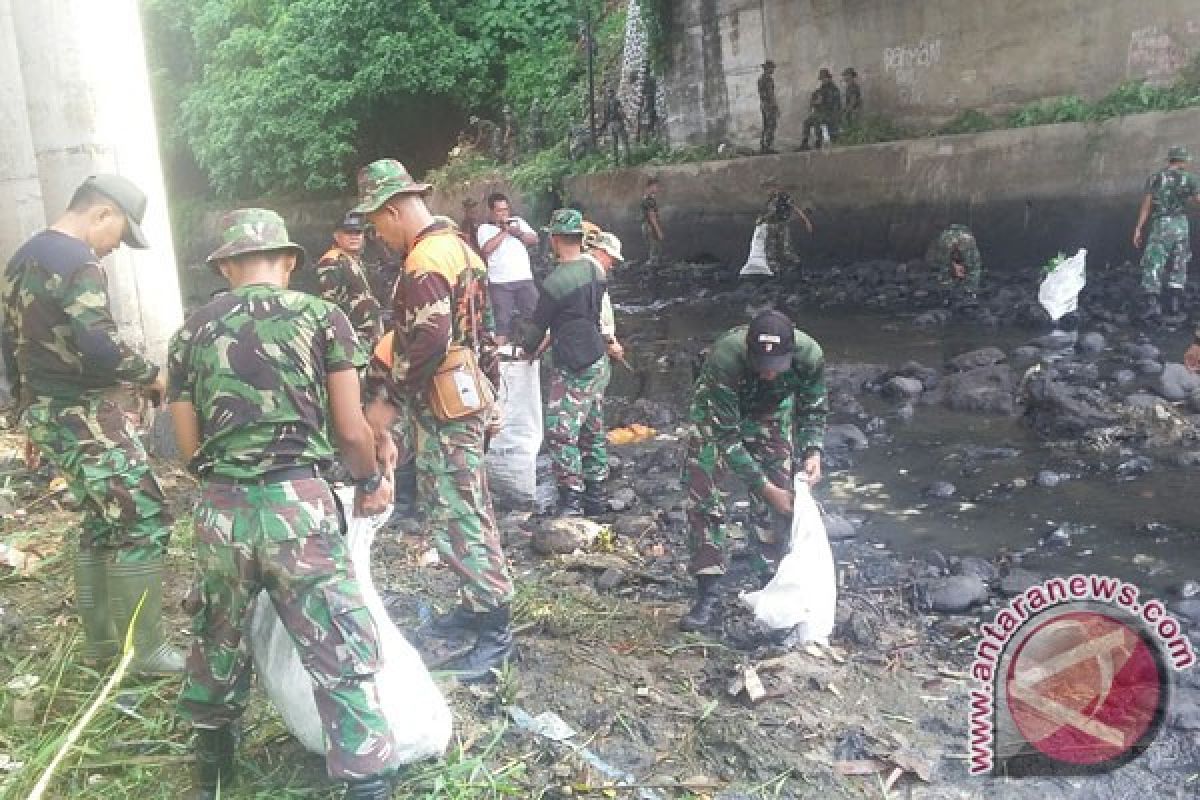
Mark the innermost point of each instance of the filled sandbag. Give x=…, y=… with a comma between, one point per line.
x=756, y=263
x=512, y=455
x=1059, y=292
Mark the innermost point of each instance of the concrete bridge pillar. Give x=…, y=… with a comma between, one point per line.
x=20, y=191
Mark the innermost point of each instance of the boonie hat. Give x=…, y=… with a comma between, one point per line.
x=352, y=222
x=382, y=180
x=849, y=72
x=1178, y=153
x=609, y=243
x=565, y=221
x=768, y=64
x=254, y=230
x=770, y=341
x=129, y=198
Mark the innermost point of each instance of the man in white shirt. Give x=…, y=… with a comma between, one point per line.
x=504, y=241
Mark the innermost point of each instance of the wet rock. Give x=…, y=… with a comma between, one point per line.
x=1143, y=352
x=940, y=490
x=1188, y=608
x=1185, y=709
x=1091, y=343
x=1018, y=580
x=1048, y=479
x=1135, y=467
x=562, y=535
x=1026, y=354
x=838, y=527
x=845, y=437
x=978, y=567
x=902, y=388
x=988, y=390
x=1194, y=402
x=1143, y=400
x=1176, y=382
x=928, y=376
x=1056, y=409
x=610, y=579
x=1148, y=366
x=932, y=319
x=1124, y=377
x=1189, y=459
x=983, y=357
x=851, y=378
x=862, y=629
x=906, y=412
x=1057, y=539
x=952, y=594
x=622, y=499
x=1057, y=341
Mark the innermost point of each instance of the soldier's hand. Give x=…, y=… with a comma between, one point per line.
x=155, y=391
x=777, y=498
x=1191, y=358
x=370, y=505
x=812, y=467
x=960, y=271
x=1137, y=238
x=33, y=456
x=616, y=350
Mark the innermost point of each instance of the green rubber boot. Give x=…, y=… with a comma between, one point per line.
x=126, y=585
x=91, y=599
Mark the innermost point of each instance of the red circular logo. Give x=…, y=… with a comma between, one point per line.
x=1086, y=688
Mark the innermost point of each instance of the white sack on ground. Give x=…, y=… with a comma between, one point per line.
x=412, y=703
x=1059, y=292
x=803, y=593
x=512, y=456
x=756, y=264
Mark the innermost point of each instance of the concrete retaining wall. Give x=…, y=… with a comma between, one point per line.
x=1027, y=193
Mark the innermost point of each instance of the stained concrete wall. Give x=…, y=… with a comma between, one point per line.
x=1027, y=193
x=920, y=63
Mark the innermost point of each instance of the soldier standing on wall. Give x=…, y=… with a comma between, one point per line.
x=769, y=106
x=852, y=107
x=825, y=108
x=537, y=127
x=510, y=144
x=614, y=125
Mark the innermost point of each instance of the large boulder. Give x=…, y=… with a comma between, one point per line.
x=902, y=388
x=1176, y=382
x=989, y=390
x=852, y=378
x=1057, y=410
x=845, y=437
x=984, y=357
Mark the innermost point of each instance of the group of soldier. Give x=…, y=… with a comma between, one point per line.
x=829, y=110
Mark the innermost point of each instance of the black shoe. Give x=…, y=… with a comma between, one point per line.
x=454, y=624
x=492, y=649
x=701, y=614
x=369, y=789
x=570, y=502
x=214, y=761
x=1173, y=302
x=595, y=500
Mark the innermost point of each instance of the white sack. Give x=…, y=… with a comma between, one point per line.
x=412, y=703
x=1059, y=292
x=803, y=593
x=756, y=264
x=512, y=456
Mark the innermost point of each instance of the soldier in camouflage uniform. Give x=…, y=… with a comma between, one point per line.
x=615, y=124
x=342, y=280
x=441, y=301
x=652, y=230
x=778, y=219
x=954, y=255
x=66, y=364
x=260, y=380
x=1169, y=244
x=759, y=399
x=569, y=307
x=825, y=109
x=852, y=110
x=769, y=107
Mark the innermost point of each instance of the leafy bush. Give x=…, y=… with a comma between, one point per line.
x=969, y=121
x=872, y=129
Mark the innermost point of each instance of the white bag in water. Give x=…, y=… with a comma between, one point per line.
x=803, y=593
x=1059, y=293
x=414, y=707
x=512, y=455
x=756, y=264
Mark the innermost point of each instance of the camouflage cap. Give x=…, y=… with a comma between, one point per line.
x=1178, y=153
x=609, y=243
x=253, y=230
x=382, y=180
x=565, y=221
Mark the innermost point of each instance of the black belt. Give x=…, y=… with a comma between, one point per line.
x=274, y=476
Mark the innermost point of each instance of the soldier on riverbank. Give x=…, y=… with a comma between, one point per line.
x=954, y=255
x=1168, y=247
x=652, y=231
x=342, y=280
x=777, y=217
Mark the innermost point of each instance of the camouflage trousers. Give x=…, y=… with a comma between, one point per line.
x=575, y=431
x=779, y=246
x=285, y=538
x=768, y=438
x=1168, y=247
x=453, y=496
x=100, y=456
x=653, y=246
x=770, y=121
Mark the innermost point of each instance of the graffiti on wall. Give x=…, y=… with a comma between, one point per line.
x=1154, y=55
x=908, y=65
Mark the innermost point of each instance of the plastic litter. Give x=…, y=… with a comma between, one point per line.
x=1059, y=292
x=512, y=455
x=414, y=707
x=756, y=263
x=803, y=593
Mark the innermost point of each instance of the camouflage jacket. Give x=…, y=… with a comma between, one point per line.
x=342, y=280
x=254, y=363
x=58, y=335
x=779, y=208
x=440, y=300
x=826, y=99
x=1170, y=189
x=728, y=392
x=766, y=92
x=956, y=243
x=649, y=206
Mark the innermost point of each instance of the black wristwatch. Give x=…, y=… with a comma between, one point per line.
x=371, y=483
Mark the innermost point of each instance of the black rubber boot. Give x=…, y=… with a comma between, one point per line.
x=595, y=500
x=1150, y=314
x=570, y=502
x=1173, y=301
x=701, y=614
x=492, y=649
x=454, y=624
x=215, y=772
x=369, y=789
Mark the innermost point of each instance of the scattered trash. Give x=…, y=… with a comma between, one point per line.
x=18, y=560
x=747, y=680
x=631, y=434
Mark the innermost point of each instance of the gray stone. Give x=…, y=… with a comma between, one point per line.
x=1185, y=709
x=562, y=535
x=622, y=499
x=1018, y=580
x=902, y=388
x=845, y=437
x=928, y=376
x=1055, y=409
x=932, y=319
x=610, y=579
x=838, y=527
x=906, y=412
x=1144, y=401
x=1190, y=458
x=940, y=489
x=851, y=379
x=1048, y=479
x=634, y=526
x=1147, y=366
x=1091, y=343
x=953, y=594
x=983, y=357
x=1125, y=377
x=1176, y=382
x=1188, y=608
x=1144, y=351
x=979, y=567
x=989, y=389
x=1026, y=353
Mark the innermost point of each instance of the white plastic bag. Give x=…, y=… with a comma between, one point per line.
x=1059, y=292
x=803, y=593
x=512, y=455
x=756, y=264
x=414, y=707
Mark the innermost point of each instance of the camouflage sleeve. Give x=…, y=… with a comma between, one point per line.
x=423, y=336
x=85, y=303
x=343, y=349
x=361, y=305
x=179, y=377
x=331, y=281
x=717, y=405
x=811, y=408
x=8, y=336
